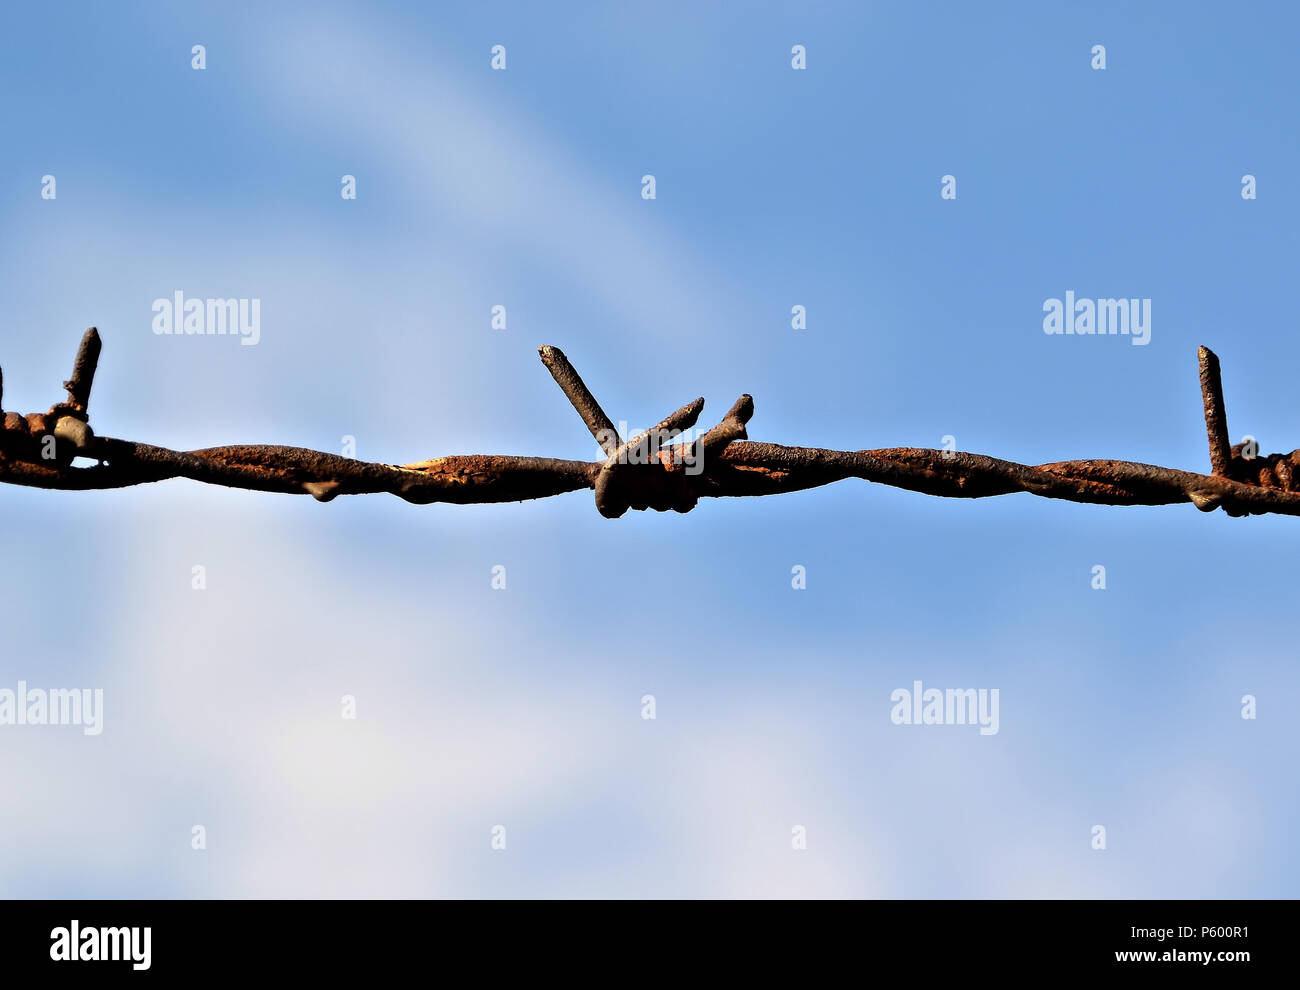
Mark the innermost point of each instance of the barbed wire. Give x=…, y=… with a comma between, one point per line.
x=647, y=471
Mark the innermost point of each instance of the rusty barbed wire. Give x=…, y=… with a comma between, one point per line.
x=39, y=450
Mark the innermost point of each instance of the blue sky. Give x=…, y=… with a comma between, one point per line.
x=522, y=707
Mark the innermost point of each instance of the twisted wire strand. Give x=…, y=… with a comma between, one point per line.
x=38, y=450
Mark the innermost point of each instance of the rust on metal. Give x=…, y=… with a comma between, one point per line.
x=1216, y=418
x=720, y=464
x=83, y=373
x=575, y=389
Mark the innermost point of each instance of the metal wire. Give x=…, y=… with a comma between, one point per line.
x=38, y=451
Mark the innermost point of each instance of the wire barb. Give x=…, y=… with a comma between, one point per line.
x=83, y=373
x=722, y=463
x=613, y=498
x=731, y=428
x=572, y=385
x=1216, y=419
